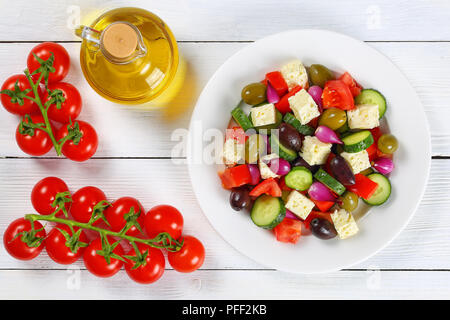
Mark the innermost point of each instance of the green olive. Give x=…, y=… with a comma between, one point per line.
x=319, y=75
x=349, y=201
x=367, y=172
x=387, y=143
x=254, y=147
x=333, y=118
x=254, y=93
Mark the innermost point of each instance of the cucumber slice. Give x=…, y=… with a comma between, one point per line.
x=334, y=185
x=382, y=192
x=358, y=141
x=299, y=178
x=302, y=128
x=267, y=211
x=282, y=151
x=268, y=127
x=372, y=96
x=241, y=118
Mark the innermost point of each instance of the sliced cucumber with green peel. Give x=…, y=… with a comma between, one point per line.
x=382, y=192
x=372, y=96
x=268, y=127
x=334, y=185
x=358, y=141
x=299, y=178
x=268, y=211
x=302, y=128
x=241, y=118
x=277, y=147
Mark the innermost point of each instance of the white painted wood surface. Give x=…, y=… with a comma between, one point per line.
x=135, y=146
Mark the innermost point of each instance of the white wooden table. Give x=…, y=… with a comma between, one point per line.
x=134, y=156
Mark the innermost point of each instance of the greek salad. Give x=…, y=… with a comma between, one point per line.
x=303, y=147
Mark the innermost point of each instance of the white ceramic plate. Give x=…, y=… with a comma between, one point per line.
x=406, y=119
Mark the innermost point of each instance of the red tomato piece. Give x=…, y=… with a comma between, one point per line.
x=44, y=51
x=323, y=206
x=56, y=247
x=151, y=269
x=317, y=214
x=15, y=102
x=84, y=202
x=283, y=105
x=70, y=108
x=289, y=230
x=363, y=187
x=97, y=264
x=44, y=194
x=354, y=87
x=85, y=148
x=190, y=257
x=120, y=212
x=235, y=176
x=277, y=81
x=268, y=186
x=372, y=151
x=13, y=243
x=336, y=94
x=37, y=143
x=282, y=184
x=164, y=218
x=236, y=133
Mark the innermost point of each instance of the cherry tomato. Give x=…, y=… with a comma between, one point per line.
x=44, y=51
x=37, y=144
x=69, y=109
x=83, y=203
x=164, y=218
x=87, y=145
x=190, y=257
x=115, y=215
x=55, y=244
x=153, y=268
x=97, y=264
x=44, y=194
x=28, y=106
x=14, y=244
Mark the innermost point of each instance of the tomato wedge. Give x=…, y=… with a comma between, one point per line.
x=236, y=133
x=277, y=81
x=363, y=187
x=235, y=176
x=283, y=105
x=354, y=87
x=268, y=186
x=289, y=230
x=336, y=94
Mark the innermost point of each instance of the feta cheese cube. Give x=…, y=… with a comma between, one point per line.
x=315, y=151
x=358, y=161
x=233, y=152
x=263, y=115
x=344, y=223
x=264, y=169
x=300, y=205
x=294, y=73
x=364, y=116
x=304, y=107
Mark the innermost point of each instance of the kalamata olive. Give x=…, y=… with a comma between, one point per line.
x=290, y=137
x=240, y=198
x=322, y=228
x=254, y=93
x=387, y=143
x=300, y=162
x=349, y=201
x=342, y=171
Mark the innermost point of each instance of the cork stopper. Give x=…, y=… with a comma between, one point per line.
x=120, y=40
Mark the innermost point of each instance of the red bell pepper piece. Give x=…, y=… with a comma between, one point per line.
x=323, y=206
x=268, y=186
x=277, y=81
x=235, y=176
x=289, y=230
x=363, y=187
x=283, y=105
x=317, y=214
x=354, y=87
x=372, y=151
x=236, y=133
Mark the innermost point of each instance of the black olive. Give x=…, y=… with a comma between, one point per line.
x=300, y=162
x=240, y=198
x=290, y=137
x=322, y=228
x=342, y=171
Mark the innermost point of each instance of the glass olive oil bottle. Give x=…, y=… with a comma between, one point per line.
x=130, y=56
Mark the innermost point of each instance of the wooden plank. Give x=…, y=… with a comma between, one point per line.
x=424, y=244
x=208, y=284
x=127, y=132
x=203, y=20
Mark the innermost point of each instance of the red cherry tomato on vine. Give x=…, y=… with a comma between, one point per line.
x=190, y=257
x=28, y=106
x=87, y=145
x=55, y=244
x=115, y=215
x=44, y=51
x=37, y=144
x=97, y=264
x=83, y=203
x=44, y=194
x=14, y=244
x=164, y=218
x=70, y=108
x=153, y=268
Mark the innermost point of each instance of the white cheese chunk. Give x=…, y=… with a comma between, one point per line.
x=364, y=116
x=344, y=223
x=294, y=73
x=263, y=115
x=300, y=205
x=264, y=169
x=304, y=107
x=315, y=151
x=358, y=161
x=233, y=152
